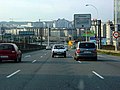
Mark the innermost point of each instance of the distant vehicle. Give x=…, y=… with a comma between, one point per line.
x=86, y=50
x=59, y=49
x=10, y=51
x=48, y=47
x=66, y=46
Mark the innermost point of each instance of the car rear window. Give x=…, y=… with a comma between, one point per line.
x=6, y=47
x=59, y=47
x=87, y=45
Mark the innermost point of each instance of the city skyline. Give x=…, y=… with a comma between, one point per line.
x=32, y=10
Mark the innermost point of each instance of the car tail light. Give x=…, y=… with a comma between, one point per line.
x=95, y=51
x=13, y=52
x=78, y=50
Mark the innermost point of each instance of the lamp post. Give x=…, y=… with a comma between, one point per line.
x=95, y=23
x=116, y=5
x=48, y=35
x=93, y=7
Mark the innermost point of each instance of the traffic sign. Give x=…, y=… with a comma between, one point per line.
x=116, y=34
x=88, y=33
x=82, y=20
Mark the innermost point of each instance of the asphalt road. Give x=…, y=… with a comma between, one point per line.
x=39, y=71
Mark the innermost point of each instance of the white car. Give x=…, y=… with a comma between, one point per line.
x=48, y=47
x=66, y=46
x=58, y=49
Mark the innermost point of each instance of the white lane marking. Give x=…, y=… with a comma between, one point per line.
x=101, y=56
x=27, y=56
x=81, y=85
x=98, y=75
x=41, y=56
x=13, y=73
x=79, y=61
x=34, y=61
x=45, y=54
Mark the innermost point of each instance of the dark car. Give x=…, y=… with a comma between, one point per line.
x=10, y=51
x=86, y=50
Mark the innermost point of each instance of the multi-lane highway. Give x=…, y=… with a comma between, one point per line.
x=39, y=71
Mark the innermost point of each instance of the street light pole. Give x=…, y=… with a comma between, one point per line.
x=93, y=7
x=48, y=35
x=95, y=22
x=116, y=23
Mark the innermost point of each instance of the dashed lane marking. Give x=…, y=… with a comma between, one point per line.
x=13, y=74
x=27, y=56
x=79, y=62
x=34, y=61
x=41, y=56
x=97, y=75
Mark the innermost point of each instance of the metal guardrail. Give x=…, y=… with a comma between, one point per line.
x=24, y=47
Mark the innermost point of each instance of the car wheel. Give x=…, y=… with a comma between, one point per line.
x=16, y=60
x=0, y=61
x=52, y=55
x=74, y=58
x=77, y=59
x=95, y=58
x=65, y=55
x=20, y=59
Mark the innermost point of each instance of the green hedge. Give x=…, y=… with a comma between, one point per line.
x=108, y=47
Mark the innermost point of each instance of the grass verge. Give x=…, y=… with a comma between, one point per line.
x=109, y=53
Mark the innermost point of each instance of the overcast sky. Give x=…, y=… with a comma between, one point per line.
x=33, y=10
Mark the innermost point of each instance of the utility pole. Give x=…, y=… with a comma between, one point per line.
x=95, y=23
x=48, y=35
x=41, y=35
x=2, y=33
x=99, y=32
x=116, y=21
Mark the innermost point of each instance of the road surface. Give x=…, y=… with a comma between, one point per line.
x=39, y=71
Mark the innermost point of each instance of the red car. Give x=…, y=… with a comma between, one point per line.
x=10, y=51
